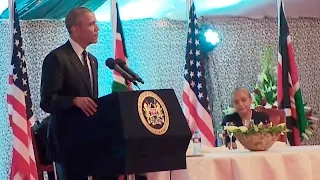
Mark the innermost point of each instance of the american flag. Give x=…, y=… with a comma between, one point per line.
x=20, y=110
x=195, y=96
x=120, y=52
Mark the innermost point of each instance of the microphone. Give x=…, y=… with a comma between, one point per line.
x=123, y=65
x=112, y=65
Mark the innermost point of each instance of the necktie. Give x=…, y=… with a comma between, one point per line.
x=85, y=65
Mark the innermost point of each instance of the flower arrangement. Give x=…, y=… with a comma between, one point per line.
x=257, y=137
x=265, y=92
x=260, y=128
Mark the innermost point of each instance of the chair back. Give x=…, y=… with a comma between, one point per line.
x=40, y=167
x=276, y=116
x=35, y=147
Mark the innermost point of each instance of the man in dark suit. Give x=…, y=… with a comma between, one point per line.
x=69, y=86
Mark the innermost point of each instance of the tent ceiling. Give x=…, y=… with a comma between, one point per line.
x=176, y=9
x=172, y=9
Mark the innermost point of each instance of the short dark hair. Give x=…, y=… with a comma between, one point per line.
x=72, y=16
x=243, y=89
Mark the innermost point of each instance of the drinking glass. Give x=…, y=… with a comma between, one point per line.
x=230, y=134
x=247, y=123
x=221, y=137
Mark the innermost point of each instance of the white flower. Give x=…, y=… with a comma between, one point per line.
x=305, y=136
x=268, y=89
x=307, y=108
x=264, y=77
x=281, y=125
x=230, y=128
x=308, y=132
x=243, y=129
x=260, y=125
x=275, y=104
x=268, y=106
x=260, y=78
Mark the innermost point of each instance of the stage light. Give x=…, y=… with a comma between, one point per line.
x=212, y=37
x=209, y=38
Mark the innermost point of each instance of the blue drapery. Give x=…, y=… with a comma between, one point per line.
x=49, y=9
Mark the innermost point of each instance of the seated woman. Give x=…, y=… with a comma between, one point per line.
x=241, y=100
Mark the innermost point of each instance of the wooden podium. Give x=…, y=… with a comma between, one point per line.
x=131, y=133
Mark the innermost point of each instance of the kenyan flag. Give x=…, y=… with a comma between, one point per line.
x=288, y=87
x=120, y=52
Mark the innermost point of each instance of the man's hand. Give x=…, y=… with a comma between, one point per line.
x=86, y=104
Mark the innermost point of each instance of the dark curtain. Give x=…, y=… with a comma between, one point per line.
x=49, y=9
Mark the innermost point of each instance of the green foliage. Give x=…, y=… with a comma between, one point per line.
x=265, y=92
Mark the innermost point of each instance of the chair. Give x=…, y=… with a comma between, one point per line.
x=277, y=116
x=40, y=167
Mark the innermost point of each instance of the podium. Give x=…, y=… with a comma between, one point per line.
x=131, y=133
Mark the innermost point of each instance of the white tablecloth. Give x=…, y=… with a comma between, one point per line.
x=289, y=163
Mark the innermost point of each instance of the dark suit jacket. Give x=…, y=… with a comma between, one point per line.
x=236, y=119
x=64, y=78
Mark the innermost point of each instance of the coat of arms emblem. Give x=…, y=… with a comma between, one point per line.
x=153, y=112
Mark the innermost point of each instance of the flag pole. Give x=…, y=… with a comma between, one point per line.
x=189, y=3
x=113, y=26
x=11, y=30
x=113, y=10
x=188, y=6
x=11, y=21
x=278, y=10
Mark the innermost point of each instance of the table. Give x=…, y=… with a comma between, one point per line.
x=285, y=163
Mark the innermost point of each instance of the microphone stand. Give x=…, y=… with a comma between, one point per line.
x=127, y=82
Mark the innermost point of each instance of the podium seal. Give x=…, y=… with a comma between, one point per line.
x=153, y=113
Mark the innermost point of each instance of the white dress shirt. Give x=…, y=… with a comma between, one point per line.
x=79, y=50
